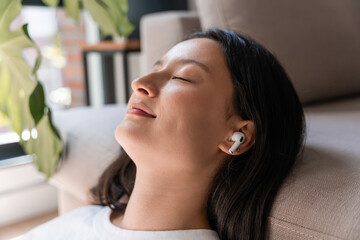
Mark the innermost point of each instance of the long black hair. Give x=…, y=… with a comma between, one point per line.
x=244, y=189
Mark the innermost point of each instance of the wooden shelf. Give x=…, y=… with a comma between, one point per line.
x=112, y=46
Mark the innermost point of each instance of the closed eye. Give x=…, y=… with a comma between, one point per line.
x=180, y=78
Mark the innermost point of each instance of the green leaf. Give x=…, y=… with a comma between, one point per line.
x=110, y=15
x=117, y=12
x=15, y=71
x=39, y=58
x=51, y=3
x=54, y=129
x=37, y=103
x=100, y=16
x=22, y=101
x=4, y=120
x=123, y=5
x=72, y=9
x=4, y=83
x=45, y=155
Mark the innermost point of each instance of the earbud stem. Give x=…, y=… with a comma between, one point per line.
x=234, y=147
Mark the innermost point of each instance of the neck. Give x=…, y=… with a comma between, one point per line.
x=166, y=203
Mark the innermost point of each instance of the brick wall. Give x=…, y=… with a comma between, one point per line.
x=73, y=35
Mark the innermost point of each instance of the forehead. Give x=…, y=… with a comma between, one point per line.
x=209, y=53
x=203, y=50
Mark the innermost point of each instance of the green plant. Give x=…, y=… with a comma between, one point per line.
x=22, y=98
x=109, y=14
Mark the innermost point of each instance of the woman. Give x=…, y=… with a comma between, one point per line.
x=176, y=178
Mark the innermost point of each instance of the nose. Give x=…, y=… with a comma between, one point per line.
x=145, y=85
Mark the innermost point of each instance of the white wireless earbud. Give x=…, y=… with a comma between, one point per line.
x=238, y=138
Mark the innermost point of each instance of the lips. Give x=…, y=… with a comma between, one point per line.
x=140, y=109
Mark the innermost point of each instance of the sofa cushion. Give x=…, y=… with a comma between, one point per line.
x=321, y=198
x=318, y=42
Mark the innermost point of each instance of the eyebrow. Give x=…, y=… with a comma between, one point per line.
x=188, y=61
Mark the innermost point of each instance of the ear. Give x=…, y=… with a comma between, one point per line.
x=247, y=127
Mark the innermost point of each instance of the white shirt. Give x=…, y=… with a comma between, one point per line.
x=93, y=222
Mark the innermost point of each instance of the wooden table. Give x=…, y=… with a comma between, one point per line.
x=109, y=48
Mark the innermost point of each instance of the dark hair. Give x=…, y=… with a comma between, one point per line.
x=244, y=189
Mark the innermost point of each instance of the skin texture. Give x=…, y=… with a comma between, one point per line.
x=178, y=153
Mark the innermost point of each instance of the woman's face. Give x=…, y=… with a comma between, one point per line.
x=189, y=91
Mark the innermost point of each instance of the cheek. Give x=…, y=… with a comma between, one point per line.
x=186, y=108
x=196, y=116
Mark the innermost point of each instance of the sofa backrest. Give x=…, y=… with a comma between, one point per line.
x=318, y=42
x=161, y=31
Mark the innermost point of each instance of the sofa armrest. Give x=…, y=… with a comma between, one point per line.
x=160, y=31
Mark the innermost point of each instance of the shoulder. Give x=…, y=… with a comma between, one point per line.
x=73, y=225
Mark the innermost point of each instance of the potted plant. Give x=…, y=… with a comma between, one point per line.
x=22, y=99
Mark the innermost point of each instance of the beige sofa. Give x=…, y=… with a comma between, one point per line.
x=318, y=42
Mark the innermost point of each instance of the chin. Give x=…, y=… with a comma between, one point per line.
x=131, y=141
x=123, y=135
